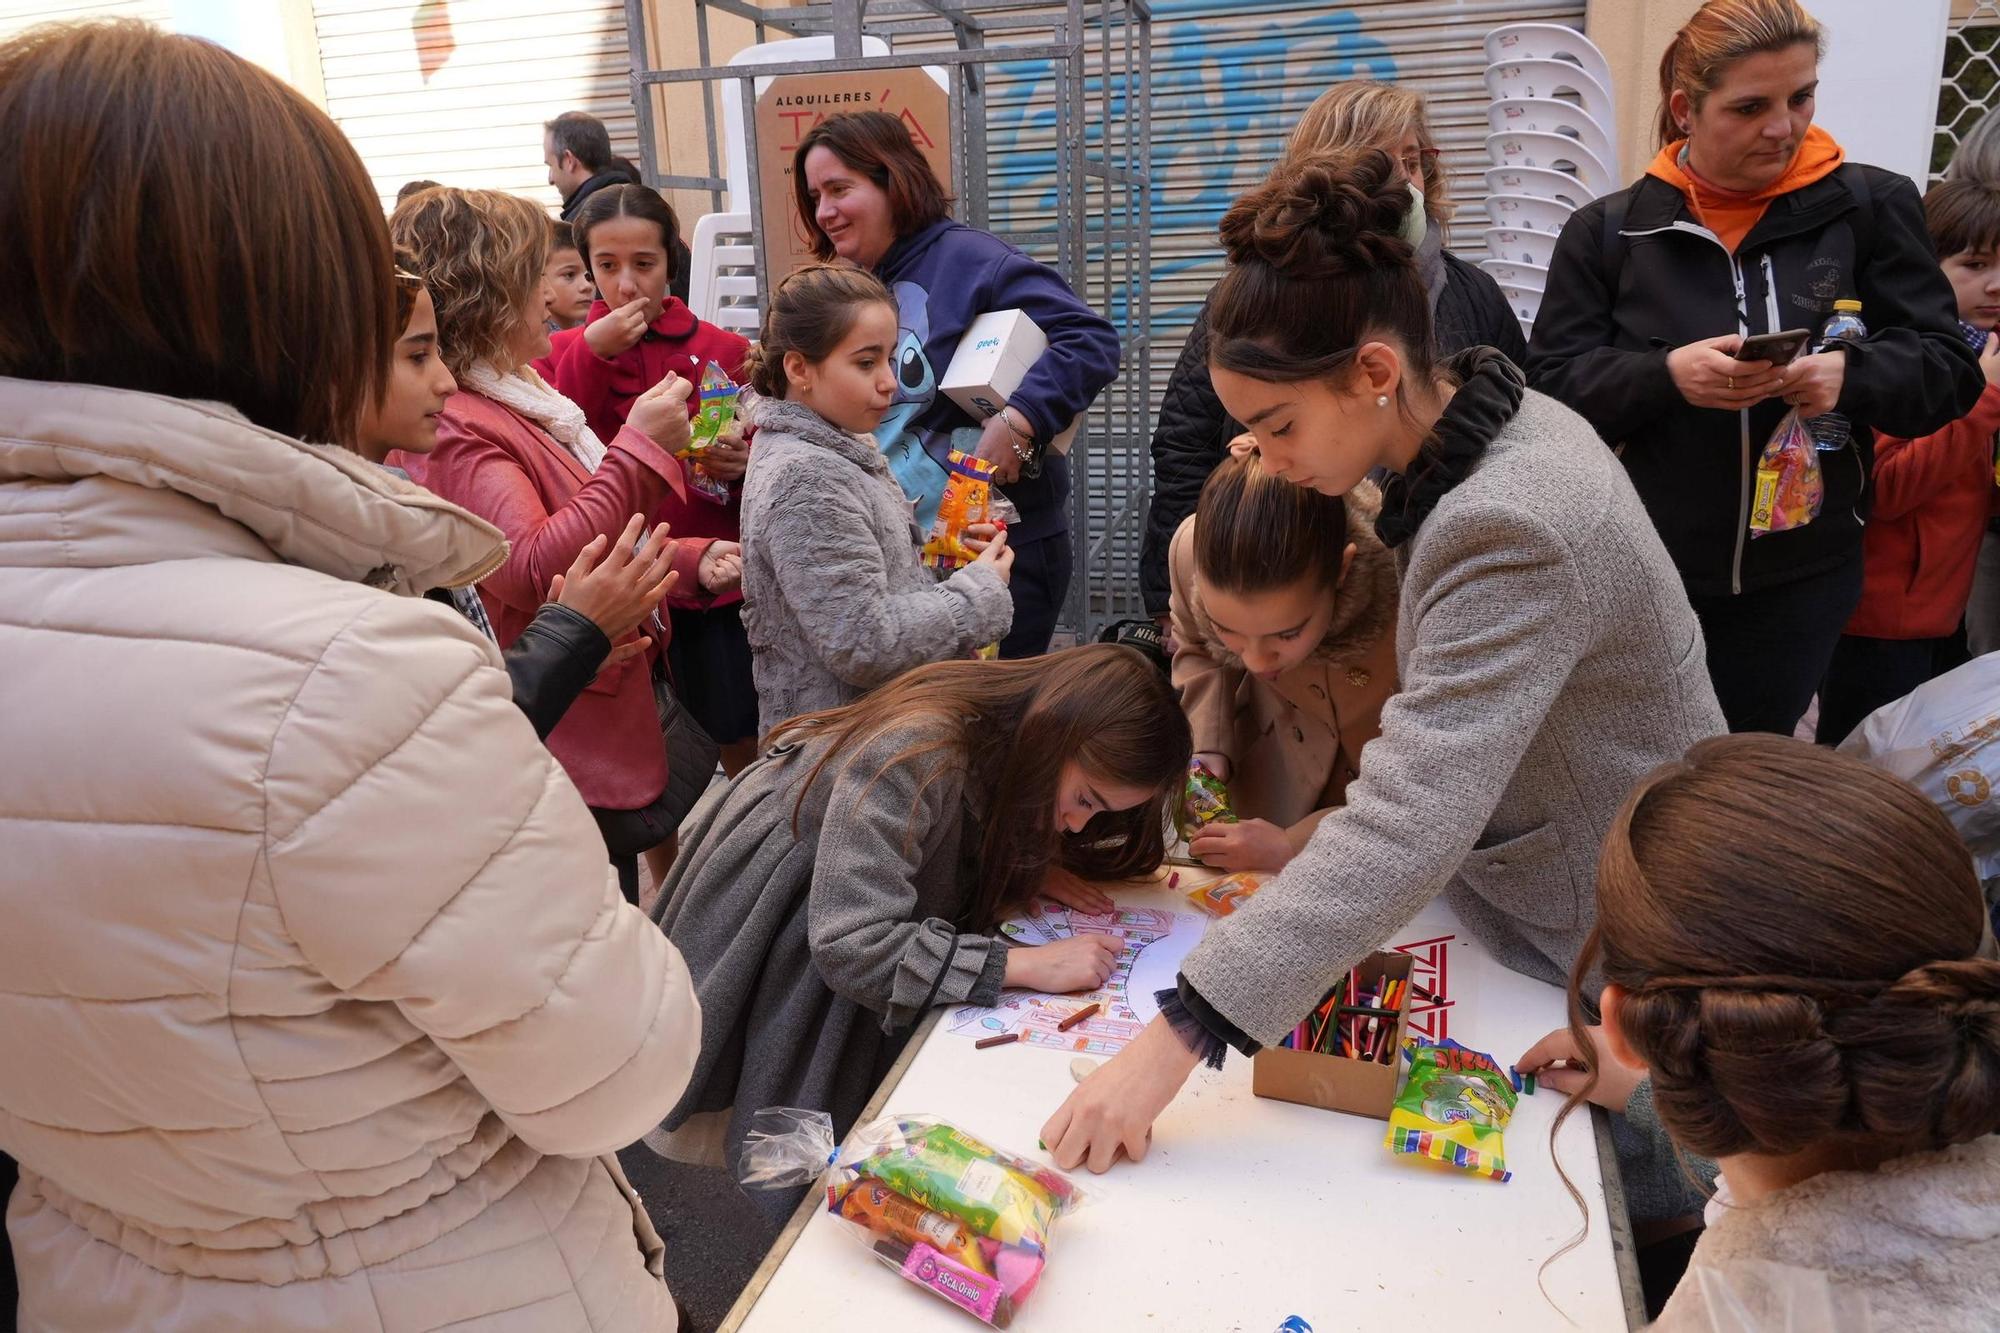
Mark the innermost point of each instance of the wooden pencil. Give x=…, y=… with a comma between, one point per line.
x=1078, y=1016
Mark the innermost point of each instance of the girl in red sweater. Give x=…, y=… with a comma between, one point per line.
x=1933, y=496
x=636, y=333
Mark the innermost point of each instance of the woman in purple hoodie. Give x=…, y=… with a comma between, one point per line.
x=866, y=194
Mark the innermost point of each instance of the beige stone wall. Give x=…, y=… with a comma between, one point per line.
x=1633, y=34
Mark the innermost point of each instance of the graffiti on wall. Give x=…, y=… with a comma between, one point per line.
x=1204, y=97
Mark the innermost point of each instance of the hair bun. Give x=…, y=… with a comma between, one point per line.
x=1323, y=215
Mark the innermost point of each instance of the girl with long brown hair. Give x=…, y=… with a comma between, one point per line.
x=1795, y=946
x=1284, y=612
x=854, y=875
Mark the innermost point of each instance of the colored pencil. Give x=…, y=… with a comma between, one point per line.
x=1000, y=1040
x=1078, y=1016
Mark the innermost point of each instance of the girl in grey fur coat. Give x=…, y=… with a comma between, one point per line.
x=836, y=599
x=854, y=875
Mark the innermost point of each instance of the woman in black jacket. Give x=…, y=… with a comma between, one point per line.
x=1467, y=309
x=1749, y=221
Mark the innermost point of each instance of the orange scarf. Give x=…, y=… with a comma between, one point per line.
x=1731, y=214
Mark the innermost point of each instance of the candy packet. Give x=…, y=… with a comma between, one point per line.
x=1204, y=801
x=966, y=1221
x=718, y=408
x=969, y=498
x=1220, y=897
x=1790, y=487
x=1452, y=1109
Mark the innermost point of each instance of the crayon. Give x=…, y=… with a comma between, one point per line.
x=1078, y=1016
x=1000, y=1040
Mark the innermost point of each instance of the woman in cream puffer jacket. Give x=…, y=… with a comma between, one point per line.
x=320, y=1007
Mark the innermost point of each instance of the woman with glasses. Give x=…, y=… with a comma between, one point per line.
x=1467, y=309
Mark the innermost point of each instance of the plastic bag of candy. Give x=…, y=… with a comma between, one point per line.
x=1452, y=1109
x=968, y=1222
x=718, y=408
x=1790, y=488
x=969, y=498
x=1204, y=801
x=1220, y=897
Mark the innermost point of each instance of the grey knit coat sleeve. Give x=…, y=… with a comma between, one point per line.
x=1550, y=659
x=865, y=625
x=870, y=937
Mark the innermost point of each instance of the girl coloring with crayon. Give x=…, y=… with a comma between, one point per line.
x=837, y=599
x=1284, y=607
x=635, y=335
x=856, y=874
x=1816, y=998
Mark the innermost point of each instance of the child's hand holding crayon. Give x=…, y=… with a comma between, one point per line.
x=1557, y=1061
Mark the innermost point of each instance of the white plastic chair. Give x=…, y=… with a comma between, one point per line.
x=722, y=273
x=1512, y=115
x=1521, y=277
x=1520, y=247
x=1547, y=41
x=1556, y=79
x=779, y=52
x=1525, y=302
x=1538, y=183
x=1526, y=213
x=1557, y=152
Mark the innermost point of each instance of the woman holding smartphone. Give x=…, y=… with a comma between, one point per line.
x=1751, y=222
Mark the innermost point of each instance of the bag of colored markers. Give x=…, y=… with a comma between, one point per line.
x=718, y=408
x=1790, y=487
x=1452, y=1109
x=967, y=1222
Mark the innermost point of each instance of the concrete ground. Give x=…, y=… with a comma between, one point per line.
x=715, y=1234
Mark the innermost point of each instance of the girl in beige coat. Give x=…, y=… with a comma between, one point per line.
x=318, y=1006
x=1284, y=607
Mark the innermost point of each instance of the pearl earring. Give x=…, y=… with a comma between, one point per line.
x=1382, y=400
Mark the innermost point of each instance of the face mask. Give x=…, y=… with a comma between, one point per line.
x=1416, y=225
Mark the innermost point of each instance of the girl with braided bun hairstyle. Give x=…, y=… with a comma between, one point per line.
x=1795, y=945
x=1546, y=649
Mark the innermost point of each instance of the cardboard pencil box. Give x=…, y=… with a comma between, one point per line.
x=1338, y=1082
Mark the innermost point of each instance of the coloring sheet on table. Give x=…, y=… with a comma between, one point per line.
x=1155, y=941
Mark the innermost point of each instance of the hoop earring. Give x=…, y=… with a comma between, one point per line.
x=1382, y=400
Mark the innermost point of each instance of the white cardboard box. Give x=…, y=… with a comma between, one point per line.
x=992, y=359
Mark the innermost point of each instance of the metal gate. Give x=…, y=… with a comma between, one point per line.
x=1229, y=78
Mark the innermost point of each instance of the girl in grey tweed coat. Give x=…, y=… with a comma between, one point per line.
x=854, y=875
x=1547, y=652
x=836, y=599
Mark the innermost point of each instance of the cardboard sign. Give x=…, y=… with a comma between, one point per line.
x=794, y=103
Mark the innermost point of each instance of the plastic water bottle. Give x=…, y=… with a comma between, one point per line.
x=1832, y=431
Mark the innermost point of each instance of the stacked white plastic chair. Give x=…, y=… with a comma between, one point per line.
x=1553, y=139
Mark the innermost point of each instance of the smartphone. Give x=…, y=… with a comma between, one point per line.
x=1777, y=348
